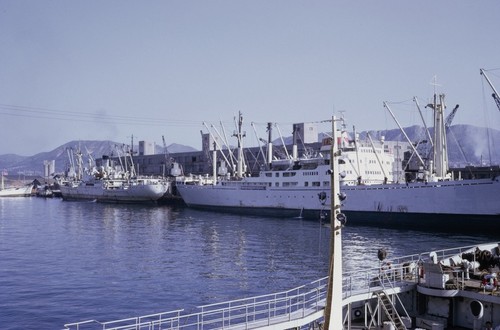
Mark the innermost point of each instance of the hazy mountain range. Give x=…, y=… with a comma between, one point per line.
x=467, y=145
x=33, y=165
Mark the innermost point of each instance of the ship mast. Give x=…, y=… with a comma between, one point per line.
x=440, y=146
x=333, y=308
x=239, y=136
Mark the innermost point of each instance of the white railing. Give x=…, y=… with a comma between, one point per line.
x=236, y=314
x=286, y=306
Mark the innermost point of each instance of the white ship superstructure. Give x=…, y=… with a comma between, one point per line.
x=371, y=194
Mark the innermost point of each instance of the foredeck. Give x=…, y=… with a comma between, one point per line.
x=298, y=307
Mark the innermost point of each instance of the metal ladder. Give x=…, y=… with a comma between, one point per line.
x=390, y=310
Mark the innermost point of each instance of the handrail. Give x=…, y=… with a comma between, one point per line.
x=293, y=304
x=255, y=297
x=391, y=283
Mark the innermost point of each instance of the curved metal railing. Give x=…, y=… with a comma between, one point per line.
x=301, y=303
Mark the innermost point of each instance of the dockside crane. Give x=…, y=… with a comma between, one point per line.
x=447, y=124
x=450, y=117
x=165, y=150
x=168, y=160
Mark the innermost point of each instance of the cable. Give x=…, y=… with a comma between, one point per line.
x=44, y=113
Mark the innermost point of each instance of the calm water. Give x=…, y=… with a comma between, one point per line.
x=62, y=262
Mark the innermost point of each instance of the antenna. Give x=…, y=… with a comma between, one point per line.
x=434, y=83
x=132, y=144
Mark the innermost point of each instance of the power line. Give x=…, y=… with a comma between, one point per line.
x=44, y=113
x=104, y=118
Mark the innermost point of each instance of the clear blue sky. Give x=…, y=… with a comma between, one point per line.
x=94, y=70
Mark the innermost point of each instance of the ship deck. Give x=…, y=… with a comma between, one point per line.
x=304, y=306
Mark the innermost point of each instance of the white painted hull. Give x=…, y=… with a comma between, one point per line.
x=17, y=192
x=136, y=193
x=474, y=197
x=448, y=197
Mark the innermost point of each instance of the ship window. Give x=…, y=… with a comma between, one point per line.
x=276, y=184
x=276, y=174
x=326, y=183
x=269, y=174
x=316, y=184
x=306, y=184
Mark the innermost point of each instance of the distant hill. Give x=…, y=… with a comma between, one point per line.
x=175, y=148
x=33, y=165
x=467, y=145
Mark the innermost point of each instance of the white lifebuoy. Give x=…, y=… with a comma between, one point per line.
x=490, y=282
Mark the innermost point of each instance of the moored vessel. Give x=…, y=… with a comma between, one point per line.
x=300, y=187
x=111, y=183
x=16, y=191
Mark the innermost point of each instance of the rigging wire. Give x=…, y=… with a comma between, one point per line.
x=487, y=120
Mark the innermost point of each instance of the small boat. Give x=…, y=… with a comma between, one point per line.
x=24, y=191
x=21, y=191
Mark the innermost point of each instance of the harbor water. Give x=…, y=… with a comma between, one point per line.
x=62, y=262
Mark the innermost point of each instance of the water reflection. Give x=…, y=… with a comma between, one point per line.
x=84, y=260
